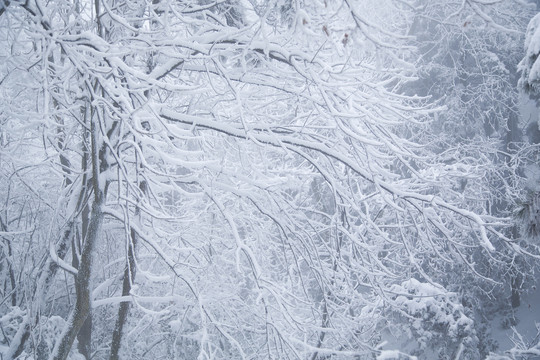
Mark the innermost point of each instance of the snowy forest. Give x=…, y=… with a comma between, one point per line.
x=269, y=179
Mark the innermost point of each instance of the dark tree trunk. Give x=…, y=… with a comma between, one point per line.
x=84, y=337
x=8, y=258
x=82, y=284
x=516, y=290
x=129, y=275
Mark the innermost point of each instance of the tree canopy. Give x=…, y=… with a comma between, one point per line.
x=257, y=179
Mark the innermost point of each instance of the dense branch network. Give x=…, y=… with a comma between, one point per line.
x=260, y=166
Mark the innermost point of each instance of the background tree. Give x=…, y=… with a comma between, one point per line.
x=528, y=83
x=469, y=57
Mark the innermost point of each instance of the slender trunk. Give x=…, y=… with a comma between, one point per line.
x=84, y=337
x=129, y=275
x=82, y=284
x=11, y=275
x=44, y=284
x=516, y=283
x=8, y=258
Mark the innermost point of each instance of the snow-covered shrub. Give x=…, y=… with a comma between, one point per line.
x=530, y=66
x=9, y=324
x=48, y=331
x=528, y=216
x=433, y=318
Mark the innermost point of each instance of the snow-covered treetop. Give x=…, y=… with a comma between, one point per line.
x=530, y=66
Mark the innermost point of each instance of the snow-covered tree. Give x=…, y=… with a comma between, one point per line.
x=529, y=212
x=252, y=177
x=469, y=53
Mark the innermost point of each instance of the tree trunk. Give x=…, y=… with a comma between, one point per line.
x=84, y=337
x=129, y=275
x=516, y=290
x=82, y=285
x=8, y=259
